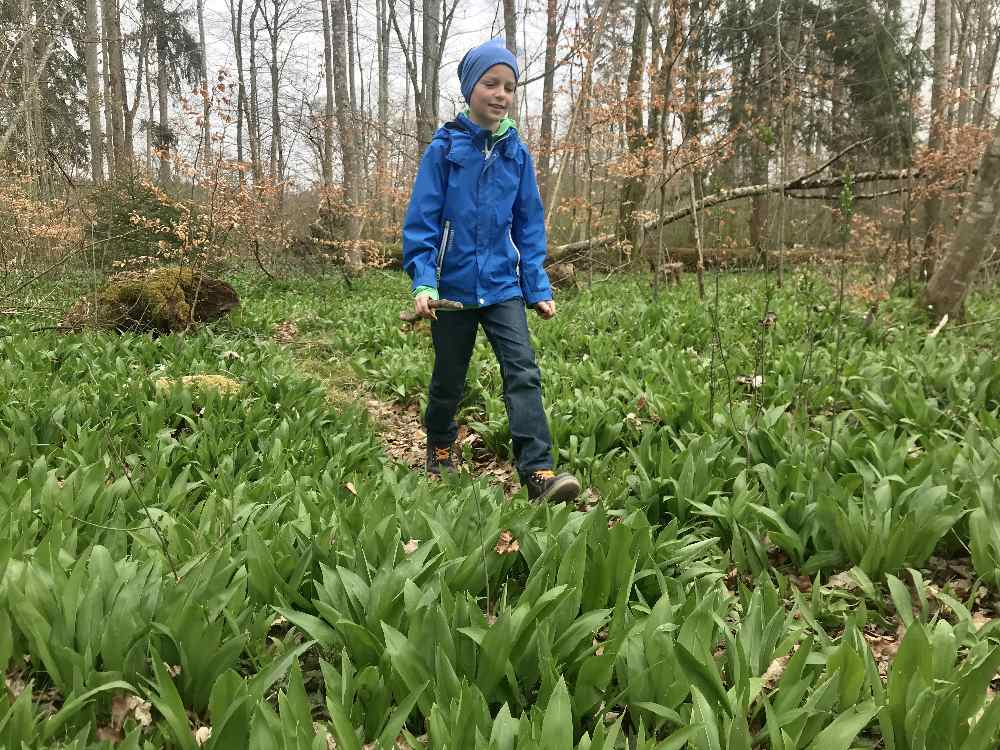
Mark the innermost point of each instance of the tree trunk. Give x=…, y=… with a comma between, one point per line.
x=206, y=105
x=253, y=103
x=346, y=130
x=984, y=79
x=965, y=60
x=29, y=85
x=510, y=36
x=351, y=83
x=633, y=190
x=116, y=84
x=382, y=145
x=957, y=269
x=109, y=139
x=760, y=151
x=939, y=114
x=430, y=64
x=327, y=165
x=548, y=97
x=276, y=167
x=164, y=136
x=236, y=28
x=93, y=35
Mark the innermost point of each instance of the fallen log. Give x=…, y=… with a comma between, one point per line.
x=804, y=182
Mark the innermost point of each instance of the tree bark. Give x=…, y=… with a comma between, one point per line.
x=382, y=143
x=430, y=63
x=633, y=189
x=252, y=104
x=949, y=286
x=236, y=28
x=939, y=115
x=327, y=159
x=984, y=80
x=91, y=51
x=510, y=36
x=346, y=130
x=116, y=84
x=164, y=139
x=352, y=85
x=206, y=108
x=548, y=97
x=760, y=149
x=276, y=167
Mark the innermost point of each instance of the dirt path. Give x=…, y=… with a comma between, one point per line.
x=398, y=426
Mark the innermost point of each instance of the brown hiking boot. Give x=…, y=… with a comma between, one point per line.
x=439, y=458
x=545, y=485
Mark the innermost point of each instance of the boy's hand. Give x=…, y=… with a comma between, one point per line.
x=421, y=306
x=546, y=309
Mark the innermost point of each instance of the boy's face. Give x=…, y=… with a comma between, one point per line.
x=492, y=97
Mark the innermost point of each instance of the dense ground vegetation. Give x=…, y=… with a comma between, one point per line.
x=792, y=539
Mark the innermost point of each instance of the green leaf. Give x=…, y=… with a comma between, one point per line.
x=343, y=730
x=557, y=725
x=841, y=733
x=704, y=677
x=391, y=729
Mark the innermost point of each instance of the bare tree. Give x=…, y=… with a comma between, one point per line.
x=939, y=115
x=426, y=88
x=327, y=156
x=957, y=269
x=115, y=109
x=93, y=36
x=548, y=96
x=346, y=128
x=206, y=93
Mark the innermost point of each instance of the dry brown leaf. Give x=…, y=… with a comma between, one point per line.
x=108, y=734
x=285, y=332
x=349, y=486
x=15, y=685
x=202, y=735
x=411, y=546
x=750, y=381
x=842, y=580
x=979, y=620
x=507, y=544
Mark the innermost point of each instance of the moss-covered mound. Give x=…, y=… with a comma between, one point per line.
x=163, y=300
x=218, y=383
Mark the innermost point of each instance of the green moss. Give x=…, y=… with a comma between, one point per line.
x=164, y=300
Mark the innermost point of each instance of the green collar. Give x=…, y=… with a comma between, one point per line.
x=505, y=124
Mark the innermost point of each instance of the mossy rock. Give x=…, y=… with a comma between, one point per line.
x=164, y=300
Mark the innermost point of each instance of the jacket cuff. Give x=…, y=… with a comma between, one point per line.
x=428, y=290
x=539, y=295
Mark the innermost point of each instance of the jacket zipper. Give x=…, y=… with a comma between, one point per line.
x=517, y=252
x=444, y=248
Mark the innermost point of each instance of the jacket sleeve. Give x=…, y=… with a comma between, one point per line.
x=422, y=225
x=528, y=232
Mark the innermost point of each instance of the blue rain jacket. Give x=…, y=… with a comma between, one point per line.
x=475, y=226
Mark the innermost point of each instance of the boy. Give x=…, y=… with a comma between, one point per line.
x=475, y=233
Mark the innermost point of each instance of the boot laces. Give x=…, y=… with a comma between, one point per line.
x=442, y=454
x=544, y=474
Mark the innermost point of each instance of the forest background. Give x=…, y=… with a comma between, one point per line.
x=285, y=129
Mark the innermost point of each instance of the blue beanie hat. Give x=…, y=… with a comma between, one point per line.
x=480, y=59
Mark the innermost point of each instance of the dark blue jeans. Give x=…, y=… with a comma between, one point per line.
x=506, y=327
